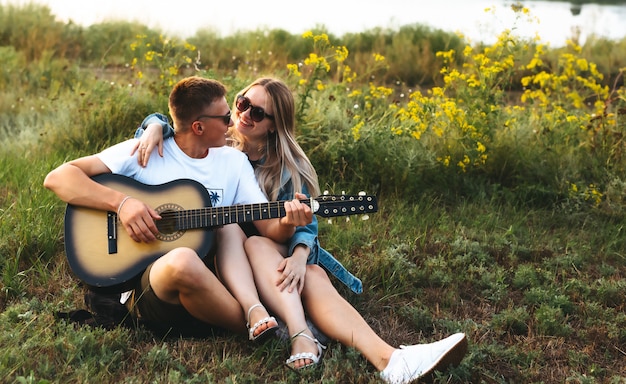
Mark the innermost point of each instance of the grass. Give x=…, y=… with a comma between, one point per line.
x=528, y=289
x=525, y=252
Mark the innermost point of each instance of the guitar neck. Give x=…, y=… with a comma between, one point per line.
x=218, y=216
x=325, y=206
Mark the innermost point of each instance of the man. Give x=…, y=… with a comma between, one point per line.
x=179, y=288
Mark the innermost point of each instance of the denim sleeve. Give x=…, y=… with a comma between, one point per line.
x=305, y=235
x=158, y=118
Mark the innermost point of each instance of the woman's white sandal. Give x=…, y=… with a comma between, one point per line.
x=265, y=333
x=305, y=355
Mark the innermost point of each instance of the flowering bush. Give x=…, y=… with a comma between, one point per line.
x=471, y=124
x=563, y=130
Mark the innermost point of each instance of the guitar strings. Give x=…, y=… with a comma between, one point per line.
x=216, y=216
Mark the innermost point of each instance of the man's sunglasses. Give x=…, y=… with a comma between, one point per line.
x=225, y=117
x=257, y=114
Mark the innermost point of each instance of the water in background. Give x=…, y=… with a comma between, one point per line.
x=554, y=22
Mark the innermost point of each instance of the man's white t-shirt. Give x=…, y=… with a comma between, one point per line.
x=225, y=172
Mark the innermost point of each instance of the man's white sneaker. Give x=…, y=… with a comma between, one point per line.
x=414, y=361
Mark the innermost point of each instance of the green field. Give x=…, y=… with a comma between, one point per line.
x=500, y=173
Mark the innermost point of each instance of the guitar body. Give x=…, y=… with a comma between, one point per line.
x=101, y=253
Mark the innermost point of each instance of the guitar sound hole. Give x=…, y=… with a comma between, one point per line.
x=168, y=230
x=166, y=225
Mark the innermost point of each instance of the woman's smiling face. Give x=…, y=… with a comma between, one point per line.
x=253, y=131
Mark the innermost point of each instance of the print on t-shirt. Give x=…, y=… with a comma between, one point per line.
x=216, y=196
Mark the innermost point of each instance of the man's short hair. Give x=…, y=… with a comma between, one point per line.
x=191, y=96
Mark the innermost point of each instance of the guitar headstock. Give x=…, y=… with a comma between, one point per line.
x=345, y=205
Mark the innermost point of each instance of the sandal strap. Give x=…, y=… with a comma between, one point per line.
x=257, y=305
x=265, y=320
x=320, y=346
x=306, y=355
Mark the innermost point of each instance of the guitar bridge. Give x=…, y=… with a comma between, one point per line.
x=112, y=232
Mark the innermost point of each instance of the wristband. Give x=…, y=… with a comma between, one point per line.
x=119, y=208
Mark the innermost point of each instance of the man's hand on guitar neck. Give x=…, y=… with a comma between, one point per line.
x=297, y=213
x=281, y=229
x=138, y=219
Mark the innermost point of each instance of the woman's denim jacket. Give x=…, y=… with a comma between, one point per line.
x=305, y=235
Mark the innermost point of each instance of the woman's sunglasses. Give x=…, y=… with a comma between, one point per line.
x=257, y=114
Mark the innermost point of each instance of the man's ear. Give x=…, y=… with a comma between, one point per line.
x=196, y=127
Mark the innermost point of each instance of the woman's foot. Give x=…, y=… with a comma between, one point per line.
x=416, y=361
x=263, y=328
x=306, y=351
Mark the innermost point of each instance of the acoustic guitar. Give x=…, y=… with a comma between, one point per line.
x=101, y=253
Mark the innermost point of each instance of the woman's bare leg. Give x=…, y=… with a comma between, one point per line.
x=235, y=272
x=339, y=320
x=265, y=256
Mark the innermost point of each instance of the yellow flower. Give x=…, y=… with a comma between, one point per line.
x=380, y=92
x=356, y=131
x=583, y=65
x=378, y=57
x=396, y=131
x=341, y=54
x=293, y=69
x=447, y=55
x=323, y=38
x=348, y=75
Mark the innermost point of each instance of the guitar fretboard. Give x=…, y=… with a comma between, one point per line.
x=217, y=216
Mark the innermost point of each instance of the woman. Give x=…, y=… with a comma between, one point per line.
x=264, y=129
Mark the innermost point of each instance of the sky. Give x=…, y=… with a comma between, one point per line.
x=184, y=17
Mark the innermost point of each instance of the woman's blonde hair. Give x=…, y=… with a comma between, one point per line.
x=283, y=155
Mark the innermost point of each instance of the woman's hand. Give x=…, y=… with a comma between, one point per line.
x=151, y=138
x=293, y=269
